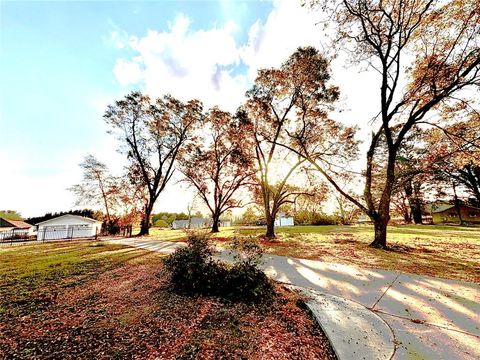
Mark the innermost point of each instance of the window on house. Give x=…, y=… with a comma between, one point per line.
x=452, y=214
x=473, y=214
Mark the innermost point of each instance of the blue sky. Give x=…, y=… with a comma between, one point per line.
x=56, y=57
x=62, y=62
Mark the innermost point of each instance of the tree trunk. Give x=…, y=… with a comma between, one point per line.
x=270, y=228
x=417, y=204
x=216, y=219
x=457, y=204
x=380, y=239
x=145, y=223
x=417, y=212
x=408, y=188
x=144, y=226
x=382, y=217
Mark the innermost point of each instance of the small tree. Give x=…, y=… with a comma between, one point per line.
x=249, y=216
x=98, y=186
x=153, y=135
x=220, y=164
x=346, y=212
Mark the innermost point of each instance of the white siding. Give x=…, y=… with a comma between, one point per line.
x=284, y=221
x=68, y=227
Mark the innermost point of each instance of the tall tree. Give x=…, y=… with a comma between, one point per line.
x=288, y=107
x=98, y=186
x=433, y=48
x=298, y=89
x=220, y=165
x=153, y=135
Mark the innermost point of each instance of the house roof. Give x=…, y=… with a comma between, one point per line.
x=69, y=215
x=18, y=224
x=438, y=208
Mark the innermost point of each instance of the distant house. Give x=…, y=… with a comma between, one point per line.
x=443, y=213
x=199, y=223
x=16, y=227
x=283, y=220
x=194, y=223
x=225, y=223
x=68, y=227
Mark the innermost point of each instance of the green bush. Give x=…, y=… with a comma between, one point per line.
x=160, y=223
x=245, y=279
x=324, y=219
x=193, y=271
x=306, y=217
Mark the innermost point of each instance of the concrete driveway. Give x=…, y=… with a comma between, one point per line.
x=431, y=318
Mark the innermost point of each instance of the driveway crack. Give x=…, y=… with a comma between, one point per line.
x=427, y=323
x=388, y=288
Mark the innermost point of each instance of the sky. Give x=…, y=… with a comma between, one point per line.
x=63, y=62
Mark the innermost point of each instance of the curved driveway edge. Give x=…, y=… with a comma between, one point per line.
x=354, y=331
x=432, y=318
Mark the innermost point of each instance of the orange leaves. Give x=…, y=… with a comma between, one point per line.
x=128, y=312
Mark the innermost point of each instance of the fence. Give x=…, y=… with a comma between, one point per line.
x=66, y=233
x=15, y=235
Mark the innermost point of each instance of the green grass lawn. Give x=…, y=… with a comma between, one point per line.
x=164, y=234
x=435, y=250
x=180, y=235
x=26, y=269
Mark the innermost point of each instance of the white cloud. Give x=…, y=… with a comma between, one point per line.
x=118, y=38
x=186, y=63
x=200, y=64
x=127, y=72
x=288, y=26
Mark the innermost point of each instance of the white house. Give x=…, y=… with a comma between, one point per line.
x=283, y=220
x=225, y=223
x=15, y=229
x=68, y=227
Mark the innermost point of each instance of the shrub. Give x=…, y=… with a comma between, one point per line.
x=160, y=223
x=324, y=219
x=111, y=227
x=246, y=280
x=193, y=271
x=306, y=217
